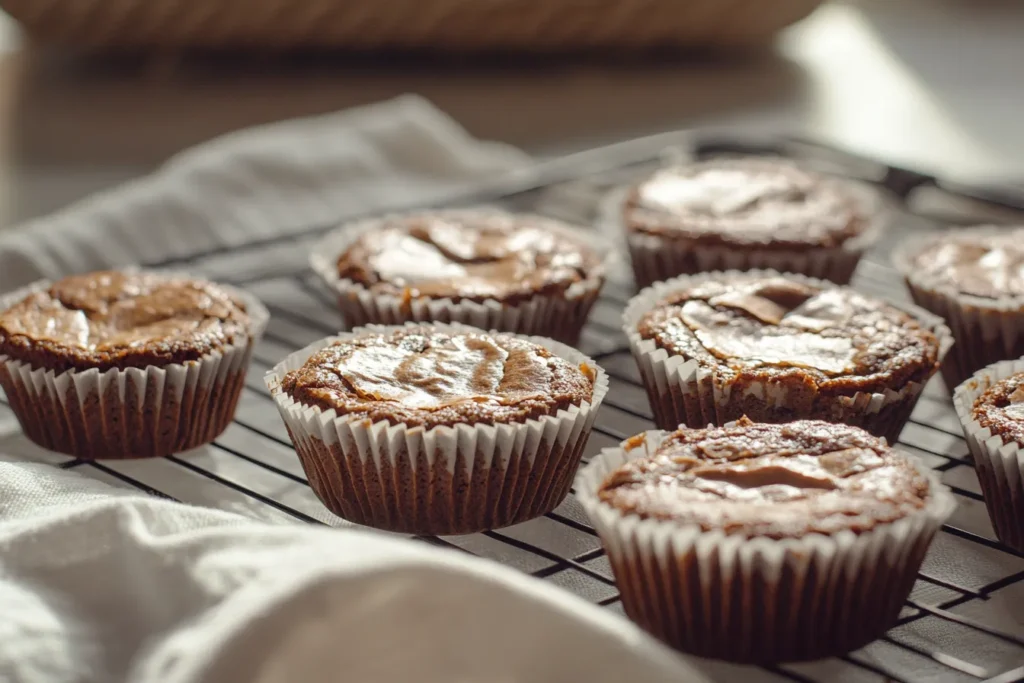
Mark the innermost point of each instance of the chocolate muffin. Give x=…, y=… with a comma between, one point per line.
x=126, y=364
x=990, y=406
x=1001, y=409
x=718, y=346
x=747, y=213
x=974, y=278
x=488, y=268
x=441, y=429
x=763, y=542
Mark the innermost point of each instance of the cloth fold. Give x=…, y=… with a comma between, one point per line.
x=260, y=183
x=101, y=584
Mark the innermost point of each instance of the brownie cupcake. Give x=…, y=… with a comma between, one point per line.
x=482, y=267
x=763, y=543
x=439, y=429
x=747, y=213
x=990, y=406
x=126, y=364
x=717, y=346
x=974, y=278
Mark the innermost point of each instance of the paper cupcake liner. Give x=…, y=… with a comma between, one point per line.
x=999, y=461
x=682, y=392
x=559, y=316
x=443, y=480
x=986, y=331
x=132, y=413
x=758, y=600
x=656, y=258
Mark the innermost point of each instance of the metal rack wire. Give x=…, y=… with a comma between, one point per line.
x=963, y=620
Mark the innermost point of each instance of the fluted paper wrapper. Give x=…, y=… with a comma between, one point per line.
x=681, y=392
x=758, y=600
x=136, y=412
x=655, y=258
x=443, y=480
x=998, y=460
x=560, y=316
x=986, y=330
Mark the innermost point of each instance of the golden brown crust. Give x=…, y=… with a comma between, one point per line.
x=468, y=255
x=1001, y=409
x=424, y=377
x=747, y=203
x=990, y=266
x=750, y=329
x=114, y=319
x=767, y=480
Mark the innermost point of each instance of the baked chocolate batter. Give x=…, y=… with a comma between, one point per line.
x=749, y=203
x=1001, y=408
x=114, y=319
x=990, y=267
x=752, y=328
x=468, y=255
x=423, y=377
x=770, y=480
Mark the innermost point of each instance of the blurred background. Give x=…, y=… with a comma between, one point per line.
x=931, y=84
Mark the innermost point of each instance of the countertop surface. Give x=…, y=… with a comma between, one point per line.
x=930, y=84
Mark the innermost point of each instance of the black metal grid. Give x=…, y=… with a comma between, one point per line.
x=965, y=617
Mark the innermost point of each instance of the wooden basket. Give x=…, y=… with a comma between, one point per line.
x=451, y=25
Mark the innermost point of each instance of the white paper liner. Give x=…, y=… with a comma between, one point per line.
x=560, y=316
x=758, y=599
x=682, y=392
x=998, y=460
x=136, y=412
x=655, y=258
x=986, y=330
x=442, y=480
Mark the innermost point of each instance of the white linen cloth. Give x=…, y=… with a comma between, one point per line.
x=106, y=585
x=261, y=183
x=100, y=584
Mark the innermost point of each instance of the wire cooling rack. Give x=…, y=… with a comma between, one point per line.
x=965, y=617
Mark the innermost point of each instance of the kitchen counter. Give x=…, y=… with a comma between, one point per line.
x=933, y=84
